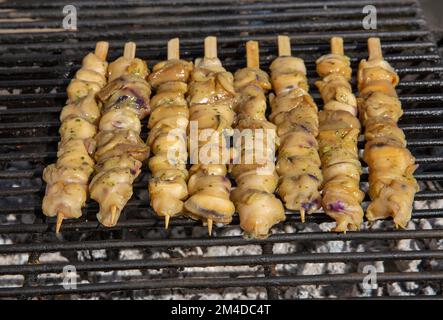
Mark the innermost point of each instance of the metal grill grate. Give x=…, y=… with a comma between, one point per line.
x=36, y=65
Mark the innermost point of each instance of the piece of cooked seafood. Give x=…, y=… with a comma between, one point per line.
x=392, y=185
x=339, y=131
x=167, y=140
x=67, y=179
x=294, y=112
x=254, y=198
x=120, y=150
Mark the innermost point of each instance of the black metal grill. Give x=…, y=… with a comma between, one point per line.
x=35, y=68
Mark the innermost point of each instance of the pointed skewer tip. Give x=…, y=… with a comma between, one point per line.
x=129, y=50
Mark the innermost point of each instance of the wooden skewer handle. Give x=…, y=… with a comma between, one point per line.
x=374, y=49
x=174, y=49
x=129, y=51
x=101, y=49
x=252, y=54
x=284, y=46
x=211, y=47
x=337, y=46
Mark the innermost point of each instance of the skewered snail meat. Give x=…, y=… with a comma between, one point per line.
x=120, y=150
x=256, y=180
x=339, y=131
x=392, y=185
x=294, y=112
x=67, y=179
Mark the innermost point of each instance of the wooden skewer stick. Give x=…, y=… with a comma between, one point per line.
x=211, y=47
x=101, y=49
x=252, y=54
x=337, y=45
x=129, y=51
x=209, y=226
x=284, y=46
x=174, y=49
x=374, y=49
x=60, y=217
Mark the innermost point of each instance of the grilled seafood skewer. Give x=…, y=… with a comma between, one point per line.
x=67, y=179
x=210, y=97
x=294, y=112
x=120, y=150
x=168, y=124
x=254, y=197
x=339, y=131
x=392, y=185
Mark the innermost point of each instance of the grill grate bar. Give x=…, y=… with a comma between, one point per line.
x=32, y=59
x=222, y=260
x=142, y=184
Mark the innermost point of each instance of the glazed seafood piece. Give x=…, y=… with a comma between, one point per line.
x=256, y=178
x=392, y=185
x=211, y=96
x=67, y=179
x=120, y=150
x=167, y=138
x=339, y=131
x=294, y=112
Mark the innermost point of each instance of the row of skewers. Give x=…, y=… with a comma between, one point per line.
x=101, y=125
